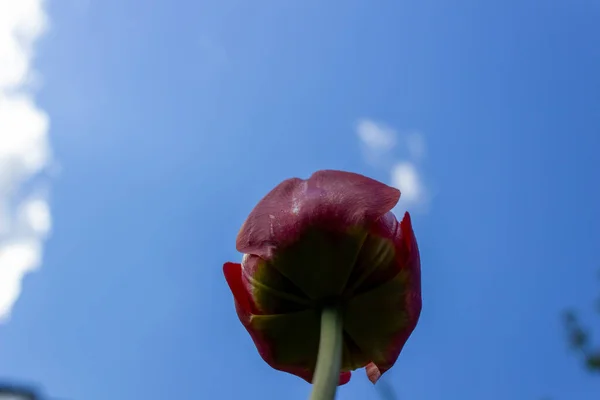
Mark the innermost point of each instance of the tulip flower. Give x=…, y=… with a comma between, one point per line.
x=329, y=281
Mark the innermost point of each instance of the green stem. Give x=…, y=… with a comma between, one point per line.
x=329, y=359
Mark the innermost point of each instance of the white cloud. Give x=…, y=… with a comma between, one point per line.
x=36, y=216
x=399, y=153
x=377, y=140
x=406, y=178
x=24, y=150
x=376, y=136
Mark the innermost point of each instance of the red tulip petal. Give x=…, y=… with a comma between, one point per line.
x=378, y=260
x=316, y=227
x=243, y=299
x=272, y=292
x=335, y=199
x=287, y=342
x=344, y=378
x=379, y=321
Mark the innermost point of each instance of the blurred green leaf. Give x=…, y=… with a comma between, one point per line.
x=593, y=362
x=579, y=339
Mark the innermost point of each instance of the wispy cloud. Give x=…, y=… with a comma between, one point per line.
x=24, y=150
x=376, y=136
x=401, y=154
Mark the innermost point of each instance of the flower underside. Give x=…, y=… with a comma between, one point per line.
x=357, y=271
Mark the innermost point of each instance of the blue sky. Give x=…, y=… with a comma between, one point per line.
x=158, y=125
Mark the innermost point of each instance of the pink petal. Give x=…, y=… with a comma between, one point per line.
x=335, y=199
x=373, y=372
